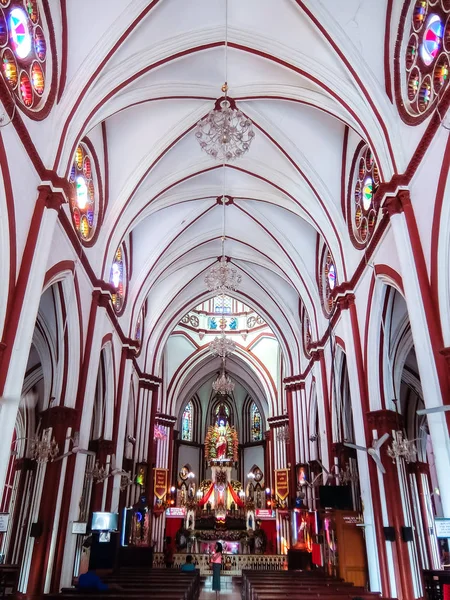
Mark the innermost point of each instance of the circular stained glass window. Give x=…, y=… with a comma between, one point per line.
x=117, y=279
x=426, y=57
x=23, y=50
x=83, y=202
x=364, y=182
x=328, y=281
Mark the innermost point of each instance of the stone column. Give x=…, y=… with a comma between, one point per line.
x=60, y=420
x=424, y=325
x=19, y=328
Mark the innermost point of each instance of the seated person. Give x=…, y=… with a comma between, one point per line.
x=91, y=582
x=188, y=565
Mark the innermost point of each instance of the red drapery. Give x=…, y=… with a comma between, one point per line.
x=235, y=497
x=207, y=496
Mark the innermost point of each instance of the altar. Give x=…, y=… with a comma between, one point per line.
x=221, y=508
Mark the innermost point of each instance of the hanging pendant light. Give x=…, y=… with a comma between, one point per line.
x=225, y=133
x=223, y=385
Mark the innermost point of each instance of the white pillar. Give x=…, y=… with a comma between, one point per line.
x=12, y=390
x=363, y=464
x=85, y=428
x=425, y=357
x=323, y=438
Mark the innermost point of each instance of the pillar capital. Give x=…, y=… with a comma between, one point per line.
x=395, y=205
x=57, y=416
x=384, y=420
x=52, y=200
x=345, y=301
x=165, y=420
x=101, y=298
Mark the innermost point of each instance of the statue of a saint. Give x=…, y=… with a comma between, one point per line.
x=222, y=443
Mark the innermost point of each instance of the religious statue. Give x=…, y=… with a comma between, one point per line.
x=222, y=443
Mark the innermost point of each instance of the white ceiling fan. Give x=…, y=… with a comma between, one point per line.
x=372, y=451
x=75, y=448
x=435, y=409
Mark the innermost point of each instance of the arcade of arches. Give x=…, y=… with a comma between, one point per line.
x=299, y=410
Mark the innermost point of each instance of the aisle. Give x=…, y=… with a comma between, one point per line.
x=229, y=591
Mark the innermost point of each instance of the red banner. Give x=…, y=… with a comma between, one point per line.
x=206, y=496
x=235, y=497
x=160, y=486
x=282, y=483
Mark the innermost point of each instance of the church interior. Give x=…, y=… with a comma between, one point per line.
x=225, y=318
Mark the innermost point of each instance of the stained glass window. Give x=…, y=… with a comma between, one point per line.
x=84, y=210
x=256, y=426
x=222, y=305
x=366, y=180
x=328, y=281
x=117, y=279
x=186, y=422
x=139, y=326
x=426, y=58
x=23, y=50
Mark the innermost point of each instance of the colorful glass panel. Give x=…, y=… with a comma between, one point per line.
x=84, y=210
x=256, y=425
x=328, y=282
x=25, y=49
x=426, y=58
x=366, y=183
x=117, y=280
x=186, y=422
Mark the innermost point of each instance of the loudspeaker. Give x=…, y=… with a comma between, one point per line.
x=389, y=534
x=407, y=534
x=36, y=529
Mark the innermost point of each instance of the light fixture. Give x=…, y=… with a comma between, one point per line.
x=223, y=385
x=98, y=473
x=283, y=434
x=222, y=346
x=45, y=449
x=191, y=475
x=250, y=475
x=401, y=447
x=225, y=133
x=222, y=277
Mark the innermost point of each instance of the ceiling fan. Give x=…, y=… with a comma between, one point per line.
x=75, y=448
x=372, y=451
x=435, y=409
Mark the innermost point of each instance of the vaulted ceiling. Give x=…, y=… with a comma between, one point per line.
x=312, y=75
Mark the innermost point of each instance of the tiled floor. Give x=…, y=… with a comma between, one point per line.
x=228, y=590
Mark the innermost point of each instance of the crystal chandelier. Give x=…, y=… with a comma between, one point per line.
x=45, y=449
x=283, y=434
x=222, y=277
x=225, y=133
x=222, y=346
x=401, y=447
x=346, y=475
x=98, y=474
x=223, y=385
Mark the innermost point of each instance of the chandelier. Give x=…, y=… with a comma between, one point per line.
x=45, y=449
x=225, y=133
x=222, y=277
x=346, y=475
x=97, y=473
x=223, y=385
x=401, y=447
x=222, y=346
x=283, y=434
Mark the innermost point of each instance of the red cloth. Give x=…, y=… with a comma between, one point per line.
x=446, y=589
x=269, y=528
x=235, y=497
x=207, y=496
x=317, y=555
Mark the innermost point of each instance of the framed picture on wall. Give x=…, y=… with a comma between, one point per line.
x=141, y=474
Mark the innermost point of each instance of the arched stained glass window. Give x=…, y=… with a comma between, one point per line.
x=23, y=49
x=118, y=279
x=365, y=182
x=256, y=425
x=84, y=209
x=328, y=281
x=187, y=422
x=425, y=54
